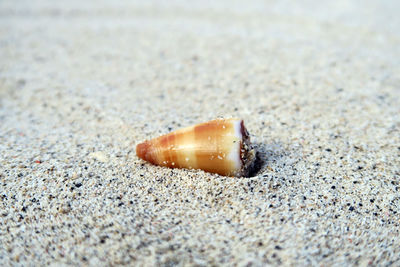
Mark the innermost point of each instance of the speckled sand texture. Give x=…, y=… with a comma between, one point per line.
x=317, y=83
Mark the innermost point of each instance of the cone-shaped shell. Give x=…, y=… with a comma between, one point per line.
x=218, y=146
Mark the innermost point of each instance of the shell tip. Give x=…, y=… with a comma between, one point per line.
x=142, y=150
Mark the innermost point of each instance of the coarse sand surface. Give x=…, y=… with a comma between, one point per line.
x=316, y=82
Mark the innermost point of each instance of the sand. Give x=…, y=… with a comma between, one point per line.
x=317, y=84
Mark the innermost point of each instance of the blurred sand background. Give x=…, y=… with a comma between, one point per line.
x=317, y=83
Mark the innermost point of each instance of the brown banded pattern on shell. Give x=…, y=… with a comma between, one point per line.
x=218, y=146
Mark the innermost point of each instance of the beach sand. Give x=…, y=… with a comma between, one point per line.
x=318, y=87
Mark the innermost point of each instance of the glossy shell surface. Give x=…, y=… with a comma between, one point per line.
x=216, y=146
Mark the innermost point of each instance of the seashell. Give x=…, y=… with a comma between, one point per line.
x=219, y=146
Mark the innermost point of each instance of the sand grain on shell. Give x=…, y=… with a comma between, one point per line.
x=317, y=85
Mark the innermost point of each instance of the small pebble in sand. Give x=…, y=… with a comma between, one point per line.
x=100, y=156
x=219, y=146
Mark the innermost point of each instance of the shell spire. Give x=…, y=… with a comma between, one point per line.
x=219, y=146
